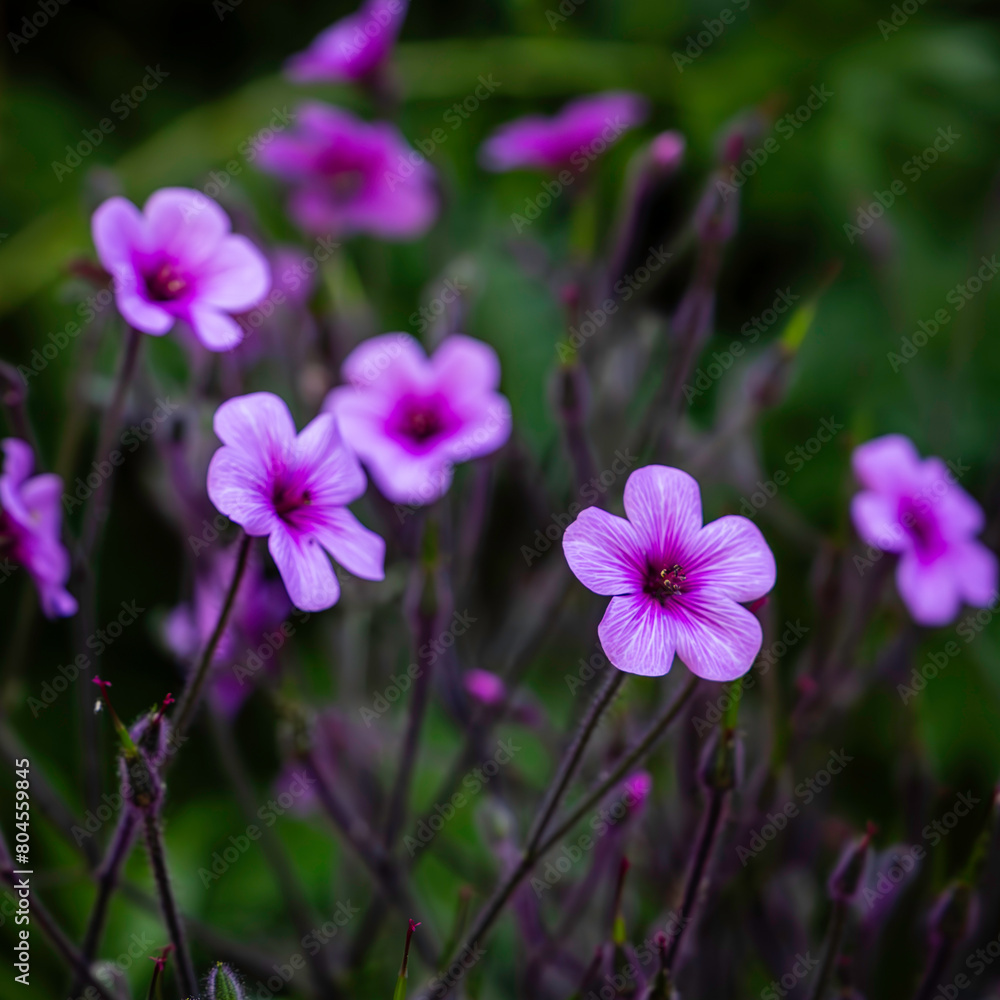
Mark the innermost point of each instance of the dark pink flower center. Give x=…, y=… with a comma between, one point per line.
x=290, y=499
x=166, y=283
x=665, y=582
x=922, y=528
x=420, y=422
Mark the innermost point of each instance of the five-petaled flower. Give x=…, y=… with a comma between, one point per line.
x=915, y=508
x=411, y=418
x=293, y=488
x=352, y=48
x=675, y=584
x=177, y=259
x=575, y=137
x=30, y=520
x=350, y=176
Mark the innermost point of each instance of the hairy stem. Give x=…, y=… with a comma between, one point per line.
x=107, y=881
x=833, y=936
x=168, y=905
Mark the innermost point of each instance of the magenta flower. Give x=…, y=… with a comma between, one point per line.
x=294, y=488
x=582, y=131
x=675, y=585
x=177, y=259
x=260, y=608
x=349, y=176
x=354, y=47
x=30, y=520
x=411, y=419
x=915, y=508
x=485, y=687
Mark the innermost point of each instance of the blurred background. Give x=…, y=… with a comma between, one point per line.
x=892, y=82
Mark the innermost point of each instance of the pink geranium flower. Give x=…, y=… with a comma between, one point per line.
x=177, y=259
x=352, y=48
x=350, y=176
x=915, y=508
x=675, y=584
x=293, y=488
x=411, y=418
x=575, y=137
x=30, y=520
x=260, y=608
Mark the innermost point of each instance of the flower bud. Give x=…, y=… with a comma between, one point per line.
x=843, y=883
x=223, y=985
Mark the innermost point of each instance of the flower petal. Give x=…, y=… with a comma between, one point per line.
x=886, y=464
x=876, y=519
x=664, y=505
x=717, y=638
x=258, y=424
x=141, y=313
x=930, y=590
x=337, y=474
x=604, y=553
x=387, y=362
x=357, y=548
x=236, y=277
x=637, y=635
x=976, y=571
x=238, y=485
x=483, y=431
x=117, y=228
x=731, y=556
x=185, y=224
x=216, y=330
x=465, y=368
x=305, y=570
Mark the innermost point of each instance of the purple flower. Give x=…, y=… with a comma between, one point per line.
x=260, y=607
x=294, y=488
x=30, y=519
x=352, y=48
x=177, y=259
x=674, y=584
x=915, y=508
x=350, y=176
x=410, y=418
x=583, y=130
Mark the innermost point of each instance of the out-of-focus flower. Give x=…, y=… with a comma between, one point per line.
x=354, y=47
x=486, y=687
x=351, y=176
x=260, y=607
x=666, y=151
x=915, y=508
x=410, y=418
x=30, y=519
x=294, y=488
x=582, y=131
x=177, y=259
x=674, y=584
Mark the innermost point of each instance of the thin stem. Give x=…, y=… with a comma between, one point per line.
x=188, y=703
x=703, y=851
x=571, y=759
x=48, y=925
x=634, y=757
x=107, y=881
x=171, y=915
x=834, y=934
x=97, y=509
x=371, y=852
x=299, y=910
x=399, y=797
x=535, y=850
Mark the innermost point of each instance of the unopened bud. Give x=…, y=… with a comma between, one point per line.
x=846, y=878
x=223, y=984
